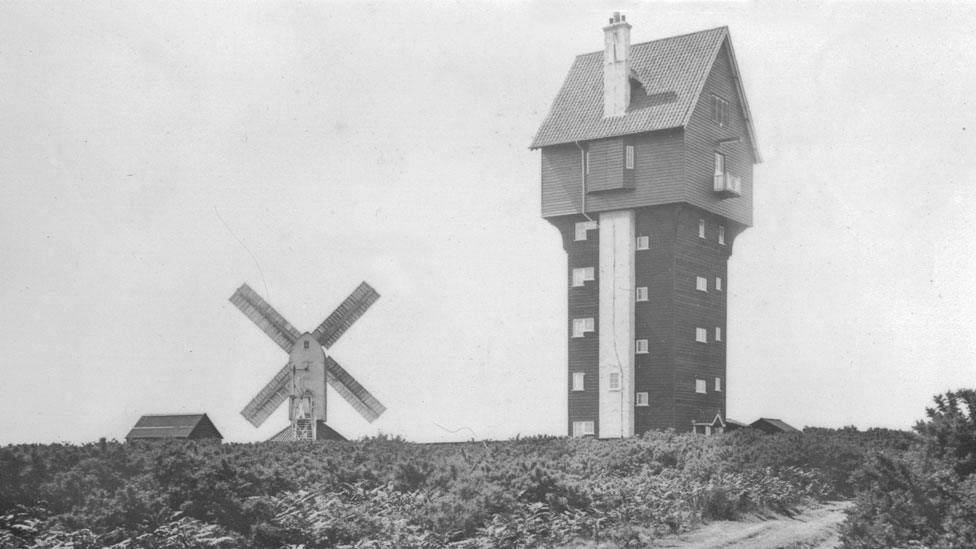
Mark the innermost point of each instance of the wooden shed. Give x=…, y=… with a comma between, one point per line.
x=771, y=426
x=182, y=426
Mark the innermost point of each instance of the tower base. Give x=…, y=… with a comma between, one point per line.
x=322, y=431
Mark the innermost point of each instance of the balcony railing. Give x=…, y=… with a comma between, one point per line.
x=728, y=185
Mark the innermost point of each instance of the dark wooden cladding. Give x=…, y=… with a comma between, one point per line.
x=583, y=302
x=701, y=143
x=606, y=169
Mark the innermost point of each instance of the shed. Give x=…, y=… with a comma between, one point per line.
x=733, y=425
x=182, y=426
x=771, y=426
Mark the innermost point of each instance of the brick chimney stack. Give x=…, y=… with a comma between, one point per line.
x=616, y=66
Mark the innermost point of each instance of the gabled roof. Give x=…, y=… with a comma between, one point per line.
x=170, y=426
x=776, y=424
x=672, y=71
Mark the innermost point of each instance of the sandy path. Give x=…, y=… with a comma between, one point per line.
x=814, y=528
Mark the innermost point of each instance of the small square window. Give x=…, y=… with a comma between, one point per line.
x=581, y=326
x=582, y=428
x=701, y=386
x=642, y=293
x=701, y=284
x=613, y=381
x=718, y=283
x=582, y=227
x=701, y=228
x=641, y=346
x=629, y=157
x=581, y=275
x=578, y=381
x=718, y=385
x=701, y=335
x=721, y=234
x=642, y=399
x=718, y=333
x=643, y=243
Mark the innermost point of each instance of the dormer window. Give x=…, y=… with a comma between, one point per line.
x=720, y=111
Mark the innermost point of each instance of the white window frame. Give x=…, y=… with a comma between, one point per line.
x=579, y=381
x=583, y=428
x=629, y=157
x=640, y=347
x=701, y=335
x=582, y=227
x=718, y=333
x=643, y=243
x=641, y=399
x=718, y=284
x=701, y=228
x=614, y=381
x=721, y=234
x=719, y=163
x=641, y=293
x=583, y=274
x=701, y=386
x=718, y=385
x=701, y=284
x=720, y=111
x=582, y=326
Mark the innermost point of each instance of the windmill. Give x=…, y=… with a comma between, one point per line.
x=303, y=379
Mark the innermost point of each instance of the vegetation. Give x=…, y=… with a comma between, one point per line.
x=925, y=497
x=910, y=489
x=389, y=493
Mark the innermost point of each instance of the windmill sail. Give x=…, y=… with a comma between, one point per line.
x=261, y=313
x=345, y=314
x=269, y=398
x=354, y=393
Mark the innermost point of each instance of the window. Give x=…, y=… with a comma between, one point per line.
x=578, y=381
x=721, y=234
x=720, y=111
x=642, y=399
x=719, y=164
x=718, y=333
x=582, y=227
x=581, y=326
x=701, y=229
x=701, y=284
x=643, y=243
x=718, y=384
x=701, y=335
x=701, y=386
x=641, y=346
x=718, y=284
x=586, y=161
x=613, y=381
x=582, y=428
x=581, y=275
x=305, y=345
x=629, y=157
x=642, y=293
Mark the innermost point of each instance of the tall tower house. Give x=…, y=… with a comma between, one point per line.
x=647, y=157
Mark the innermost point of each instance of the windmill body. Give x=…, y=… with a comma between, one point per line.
x=302, y=381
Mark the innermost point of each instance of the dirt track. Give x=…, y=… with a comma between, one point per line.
x=814, y=528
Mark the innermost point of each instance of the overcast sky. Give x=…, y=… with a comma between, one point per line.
x=154, y=156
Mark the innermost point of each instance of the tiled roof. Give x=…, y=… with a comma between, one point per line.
x=672, y=70
x=169, y=426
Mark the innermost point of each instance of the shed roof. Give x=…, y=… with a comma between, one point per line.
x=672, y=71
x=169, y=426
x=778, y=424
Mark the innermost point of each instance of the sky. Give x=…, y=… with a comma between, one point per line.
x=156, y=155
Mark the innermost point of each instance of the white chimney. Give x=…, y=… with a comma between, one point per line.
x=616, y=66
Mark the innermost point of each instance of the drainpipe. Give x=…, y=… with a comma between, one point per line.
x=583, y=181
